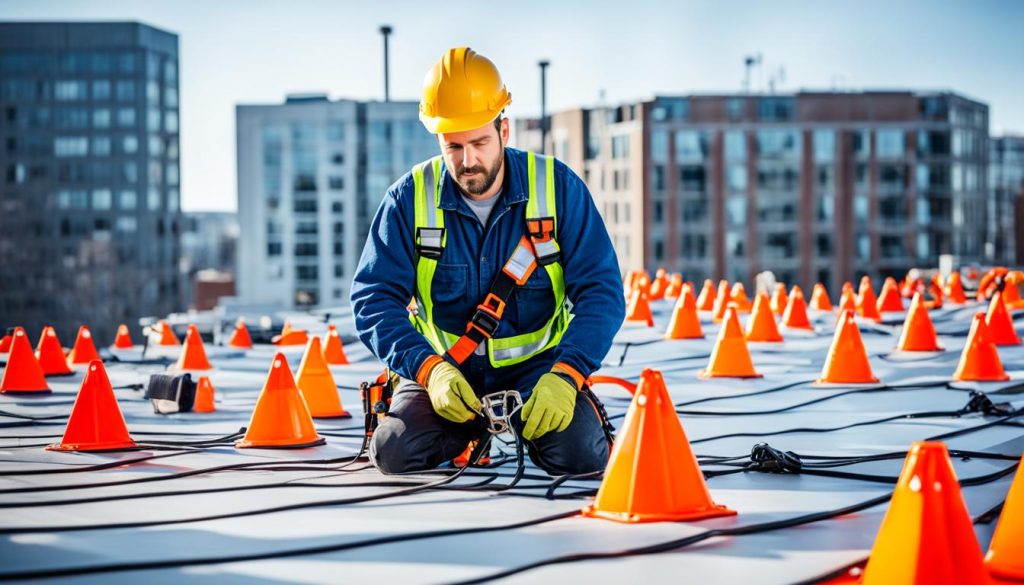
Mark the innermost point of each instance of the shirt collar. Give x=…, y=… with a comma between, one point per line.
x=513, y=190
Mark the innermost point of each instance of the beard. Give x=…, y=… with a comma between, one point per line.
x=484, y=179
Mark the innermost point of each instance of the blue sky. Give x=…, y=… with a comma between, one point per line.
x=253, y=51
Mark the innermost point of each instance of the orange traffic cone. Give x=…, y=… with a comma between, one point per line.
x=980, y=361
x=848, y=302
x=652, y=474
x=290, y=336
x=124, y=338
x=685, y=324
x=675, y=286
x=240, y=338
x=96, y=422
x=334, y=353
x=1011, y=296
x=84, y=350
x=1000, y=324
x=730, y=357
x=23, y=374
x=795, y=315
x=761, y=324
x=167, y=336
x=316, y=383
x=847, y=360
x=890, y=301
x=819, y=299
x=204, y=396
x=1005, y=556
x=722, y=300
x=867, y=304
x=739, y=296
x=926, y=536
x=281, y=417
x=955, y=289
x=193, y=354
x=51, y=355
x=659, y=286
x=918, y=331
x=5, y=343
x=779, y=299
x=639, y=309
x=706, y=298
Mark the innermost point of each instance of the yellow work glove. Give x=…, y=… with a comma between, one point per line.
x=549, y=408
x=450, y=393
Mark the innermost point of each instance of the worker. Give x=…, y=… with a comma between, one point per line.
x=486, y=269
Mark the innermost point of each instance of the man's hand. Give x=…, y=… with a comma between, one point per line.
x=549, y=408
x=450, y=393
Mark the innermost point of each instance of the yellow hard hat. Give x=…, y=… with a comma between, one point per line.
x=462, y=91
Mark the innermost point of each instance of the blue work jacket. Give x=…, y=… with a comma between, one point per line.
x=385, y=279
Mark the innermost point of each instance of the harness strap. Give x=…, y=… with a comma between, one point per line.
x=488, y=315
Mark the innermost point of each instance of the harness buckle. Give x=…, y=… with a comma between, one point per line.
x=541, y=231
x=428, y=242
x=541, y=228
x=484, y=321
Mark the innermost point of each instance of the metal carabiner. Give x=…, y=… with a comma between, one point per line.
x=499, y=407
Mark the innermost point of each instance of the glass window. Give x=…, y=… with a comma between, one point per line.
x=129, y=144
x=824, y=242
x=735, y=145
x=101, y=199
x=824, y=145
x=892, y=177
x=860, y=208
x=692, y=178
x=153, y=120
x=125, y=91
x=171, y=97
x=861, y=143
x=101, y=146
x=130, y=172
x=736, y=211
x=101, y=90
x=776, y=109
x=154, y=200
x=156, y=145
x=152, y=93
x=70, y=90
x=335, y=130
x=126, y=62
x=101, y=118
x=172, y=174
x=171, y=121
x=890, y=143
x=71, y=146
x=659, y=146
x=778, y=143
x=127, y=224
x=152, y=66
x=735, y=108
x=127, y=199
x=170, y=72
x=737, y=177
x=691, y=145
x=126, y=117
x=863, y=247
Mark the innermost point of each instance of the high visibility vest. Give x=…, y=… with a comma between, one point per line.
x=430, y=237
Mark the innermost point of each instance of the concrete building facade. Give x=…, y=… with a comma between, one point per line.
x=813, y=186
x=311, y=174
x=89, y=192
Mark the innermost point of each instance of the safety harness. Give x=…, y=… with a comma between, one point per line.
x=538, y=247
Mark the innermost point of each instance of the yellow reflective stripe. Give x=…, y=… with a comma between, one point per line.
x=428, y=214
x=504, y=351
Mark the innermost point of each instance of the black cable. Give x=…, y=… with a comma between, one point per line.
x=674, y=544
